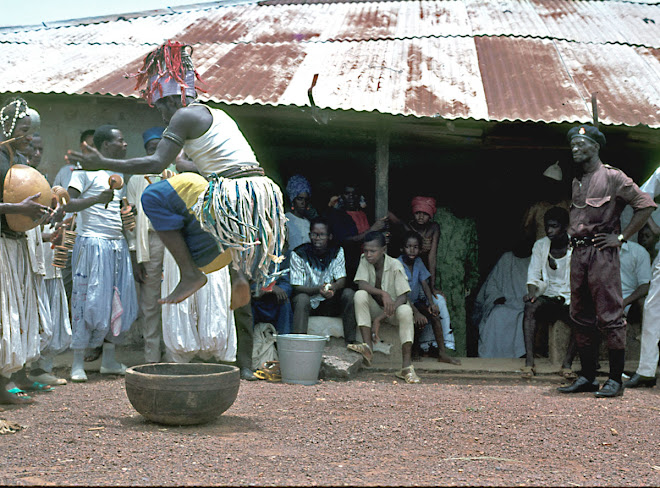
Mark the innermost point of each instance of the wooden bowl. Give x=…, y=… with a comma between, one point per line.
x=21, y=182
x=182, y=394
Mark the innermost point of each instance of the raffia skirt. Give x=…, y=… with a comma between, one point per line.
x=223, y=220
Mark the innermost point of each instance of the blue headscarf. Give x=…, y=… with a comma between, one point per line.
x=296, y=185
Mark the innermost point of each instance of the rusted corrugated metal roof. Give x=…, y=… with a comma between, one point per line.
x=536, y=60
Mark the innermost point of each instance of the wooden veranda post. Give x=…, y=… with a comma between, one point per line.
x=382, y=171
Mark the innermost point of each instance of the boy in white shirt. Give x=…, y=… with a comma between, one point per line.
x=548, y=287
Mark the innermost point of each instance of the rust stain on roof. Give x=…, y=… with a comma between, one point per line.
x=512, y=60
x=525, y=79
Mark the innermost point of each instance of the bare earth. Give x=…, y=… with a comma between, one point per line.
x=373, y=431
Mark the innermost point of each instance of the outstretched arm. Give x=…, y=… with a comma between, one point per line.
x=185, y=124
x=165, y=154
x=76, y=204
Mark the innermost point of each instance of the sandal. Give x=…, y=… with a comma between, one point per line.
x=40, y=387
x=270, y=371
x=408, y=375
x=363, y=349
x=568, y=373
x=18, y=397
x=528, y=372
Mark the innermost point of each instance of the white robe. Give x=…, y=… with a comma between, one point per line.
x=203, y=324
x=500, y=326
x=23, y=322
x=58, y=305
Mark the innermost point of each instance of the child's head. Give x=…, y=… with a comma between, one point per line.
x=412, y=243
x=423, y=209
x=556, y=222
x=374, y=247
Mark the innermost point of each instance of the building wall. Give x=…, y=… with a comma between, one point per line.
x=64, y=118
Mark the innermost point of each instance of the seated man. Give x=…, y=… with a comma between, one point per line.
x=635, y=274
x=648, y=240
x=499, y=307
x=548, y=287
x=318, y=279
x=383, y=289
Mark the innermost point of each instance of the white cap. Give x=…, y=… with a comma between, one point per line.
x=554, y=172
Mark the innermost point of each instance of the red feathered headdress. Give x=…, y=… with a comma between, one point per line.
x=168, y=70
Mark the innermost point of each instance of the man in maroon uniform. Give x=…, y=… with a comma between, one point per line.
x=600, y=193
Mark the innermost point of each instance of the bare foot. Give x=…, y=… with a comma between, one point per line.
x=20, y=398
x=240, y=292
x=443, y=358
x=186, y=287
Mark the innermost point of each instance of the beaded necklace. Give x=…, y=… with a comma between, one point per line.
x=19, y=113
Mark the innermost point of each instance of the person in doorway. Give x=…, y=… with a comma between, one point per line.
x=548, y=288
x=499, y=307
x=297, y=227
x=350, y=225
x=600, y=192
x=425, y=310
x=649, y=241
x=383, y=289
x=318, y=279
x=423, y=210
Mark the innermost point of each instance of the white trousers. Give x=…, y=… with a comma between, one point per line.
x=367, y=309
x=648, y=357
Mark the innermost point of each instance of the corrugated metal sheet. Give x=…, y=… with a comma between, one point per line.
x=518, y=60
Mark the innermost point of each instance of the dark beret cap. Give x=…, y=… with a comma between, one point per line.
x=588, y=132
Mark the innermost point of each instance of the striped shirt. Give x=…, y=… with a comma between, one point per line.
x=304, y=272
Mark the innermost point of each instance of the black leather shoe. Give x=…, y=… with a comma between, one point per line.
x=247, y=374
x=610, y=389
x=579, y=385
x=638, y=381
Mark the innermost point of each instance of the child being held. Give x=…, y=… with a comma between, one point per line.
x=426, y=306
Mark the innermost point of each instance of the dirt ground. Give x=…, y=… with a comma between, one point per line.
x=490, y=430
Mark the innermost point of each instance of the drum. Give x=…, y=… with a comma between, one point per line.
x=21, y=182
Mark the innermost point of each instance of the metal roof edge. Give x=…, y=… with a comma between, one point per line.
x=585, y=119
x=216, y=101
x=126, y=16
x=376, y=39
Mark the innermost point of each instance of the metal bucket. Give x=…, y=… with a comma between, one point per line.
x=300, y=357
